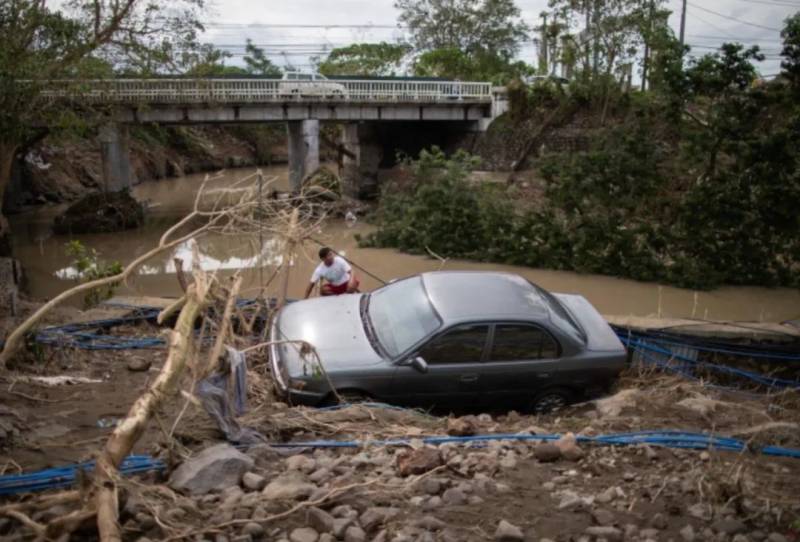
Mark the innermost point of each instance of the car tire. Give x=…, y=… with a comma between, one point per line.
x=551, y=400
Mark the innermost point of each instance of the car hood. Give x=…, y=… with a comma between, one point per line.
x=599, y=335
x=333, y=326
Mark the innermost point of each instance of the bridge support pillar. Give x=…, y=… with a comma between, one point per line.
x=114, y=150
x=303, y=150
x=360, y=170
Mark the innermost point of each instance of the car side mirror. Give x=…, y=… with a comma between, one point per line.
x=419, y=364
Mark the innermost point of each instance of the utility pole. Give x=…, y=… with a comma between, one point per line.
x=647, y=38
x=544, y=69
x=683, y=22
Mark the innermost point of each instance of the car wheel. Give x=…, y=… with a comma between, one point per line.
x=551, y=400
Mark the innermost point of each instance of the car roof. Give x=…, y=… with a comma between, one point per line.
x=474, y=295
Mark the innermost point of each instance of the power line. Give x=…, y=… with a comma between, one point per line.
x=733, y=18
x=707, y=37
x=783, y=3
x=277, y=25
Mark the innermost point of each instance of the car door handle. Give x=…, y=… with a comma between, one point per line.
x=472, y=377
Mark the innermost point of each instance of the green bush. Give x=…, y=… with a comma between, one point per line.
x=439, y=210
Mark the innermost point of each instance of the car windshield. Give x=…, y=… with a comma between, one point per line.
x=402, y=315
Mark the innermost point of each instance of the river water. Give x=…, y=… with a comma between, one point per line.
x=49, y=271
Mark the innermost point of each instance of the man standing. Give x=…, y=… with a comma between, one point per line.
x=338, y=275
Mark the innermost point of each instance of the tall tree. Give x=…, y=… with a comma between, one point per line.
x=365, y=59
x=468, y=25
x=791, y=50
x=257, y=63
x=41, y=43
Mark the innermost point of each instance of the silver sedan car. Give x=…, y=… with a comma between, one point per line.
x=449, y=341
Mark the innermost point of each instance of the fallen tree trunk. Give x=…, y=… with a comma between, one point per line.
x=131, y=428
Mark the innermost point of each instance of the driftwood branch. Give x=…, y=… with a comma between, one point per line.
x=131, y=428
x=222, y=332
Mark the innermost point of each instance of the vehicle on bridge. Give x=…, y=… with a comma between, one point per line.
x=310, y=84
x=446, y=340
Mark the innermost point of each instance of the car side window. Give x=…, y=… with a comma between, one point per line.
x=513, y=342
x=462, y=344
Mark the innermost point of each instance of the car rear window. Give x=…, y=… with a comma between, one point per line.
x=562, y=316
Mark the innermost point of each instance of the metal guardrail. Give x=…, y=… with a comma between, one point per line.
x=244, y=91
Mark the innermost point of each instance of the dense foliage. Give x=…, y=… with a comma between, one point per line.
x=368, y=59
x=696, y=184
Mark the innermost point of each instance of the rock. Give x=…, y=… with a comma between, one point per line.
x=614, y=405
x=603, y=517
x=548, y=486
x=139, y=365
x=418, y=461
x=320, y=475
x=700, y=511
x=340, y=525
x=327, y=537
x=609, y=495
x=430, y=523
x=433, y=503
x=547, y=452
x=304, y=534
x=704, y=456
x=740, y=538
x=355, y=534
x=320, y=520
x=659, y=521
x=572, y=501
x=102, y=212
x=611, y=534
x=730, y=526
x=508, y=532
x=568, y=445
x=376, y=516
x=253, y=529
x=145, y=521
x=462, y=427
x=631, y=531
x=776, y=537
x=687, y=533
x=253, y=481
x=289, y=486
x=648, y=534
x=301, y=463
x=432, y=486
x=629, y=476
x=454, y=497
x=215, y=468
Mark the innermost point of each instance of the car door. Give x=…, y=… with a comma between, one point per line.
x=522, y=359
x=454, y=364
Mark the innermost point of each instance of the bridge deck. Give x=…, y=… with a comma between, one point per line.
x=263, y=91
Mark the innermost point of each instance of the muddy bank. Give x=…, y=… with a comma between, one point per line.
x=498, y=490
x=67, y=167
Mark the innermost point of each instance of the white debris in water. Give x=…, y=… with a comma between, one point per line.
x=350, y=218
x=60, y=380
x=36, y=160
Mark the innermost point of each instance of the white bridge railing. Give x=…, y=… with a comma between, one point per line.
x=244, y=91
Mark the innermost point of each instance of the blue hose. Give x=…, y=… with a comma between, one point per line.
x=65, y=476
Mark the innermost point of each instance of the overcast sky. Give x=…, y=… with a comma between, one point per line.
x=278, y=26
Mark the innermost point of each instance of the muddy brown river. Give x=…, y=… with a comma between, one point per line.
x=49, y=270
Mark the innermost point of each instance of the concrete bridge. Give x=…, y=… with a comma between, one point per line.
x=358, y=105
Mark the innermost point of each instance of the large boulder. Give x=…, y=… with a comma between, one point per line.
x=214, y=468
x=101, y=212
